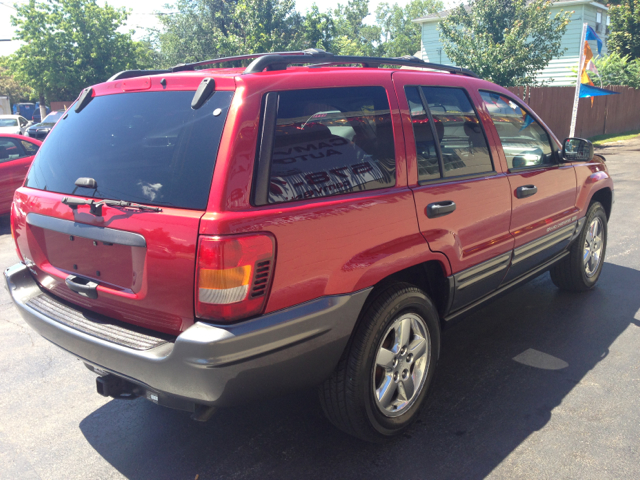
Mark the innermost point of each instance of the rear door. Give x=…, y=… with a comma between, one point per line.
x=148, y=147
x=543, y=190
x=461, y=195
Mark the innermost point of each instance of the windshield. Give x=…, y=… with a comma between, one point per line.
x=145, y=147
x=8, y=122
x=52, y=117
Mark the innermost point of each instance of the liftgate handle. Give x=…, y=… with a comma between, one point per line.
x=82, y=286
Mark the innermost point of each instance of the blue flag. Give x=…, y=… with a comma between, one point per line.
x=587, y=91
x=592, y=35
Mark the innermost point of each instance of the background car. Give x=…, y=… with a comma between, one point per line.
x=40, y=131
x=36, y=113
x=16, y=155
x=14, y=124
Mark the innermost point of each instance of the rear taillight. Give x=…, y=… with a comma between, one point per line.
x=12, y=222
x=233, y=276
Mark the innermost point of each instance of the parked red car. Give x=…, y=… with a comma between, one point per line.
x=204, y=238
x=16, y=155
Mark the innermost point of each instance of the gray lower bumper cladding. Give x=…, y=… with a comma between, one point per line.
x=206, y=364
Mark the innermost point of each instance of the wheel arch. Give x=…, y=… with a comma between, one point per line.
x=605, y=197
x=429, y=276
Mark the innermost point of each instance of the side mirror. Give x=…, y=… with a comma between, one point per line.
x=577, y=150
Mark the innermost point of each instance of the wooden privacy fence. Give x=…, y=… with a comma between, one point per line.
x=609, y=114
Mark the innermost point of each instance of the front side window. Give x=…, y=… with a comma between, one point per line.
x=456, y=130
x=8, y=122
x=10, y=149
x=524, y=141
x=331, y=141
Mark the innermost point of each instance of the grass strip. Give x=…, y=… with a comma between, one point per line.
x=612, y=138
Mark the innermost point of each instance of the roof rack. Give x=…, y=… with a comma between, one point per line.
x=192, y=66
x=320, y=57
x=312, y=56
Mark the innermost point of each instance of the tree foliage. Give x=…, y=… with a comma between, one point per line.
x=399, y=35
x=203, y=29
x=616, y=69
x=625, y=28
x=70, y=44
x=505, y=41
x=9, y=86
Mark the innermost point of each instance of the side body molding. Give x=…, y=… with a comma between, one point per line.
x=479, y=280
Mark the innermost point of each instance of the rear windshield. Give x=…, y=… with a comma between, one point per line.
x=145, y=147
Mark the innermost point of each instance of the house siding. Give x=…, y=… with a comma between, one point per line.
x=558, y=72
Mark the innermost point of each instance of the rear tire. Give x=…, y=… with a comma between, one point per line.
x=580, y=270
x=384, y=374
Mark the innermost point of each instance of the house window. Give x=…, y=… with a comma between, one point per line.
x=599, y=22
x=607, y=30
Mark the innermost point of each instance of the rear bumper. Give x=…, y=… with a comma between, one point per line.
x=212, y=364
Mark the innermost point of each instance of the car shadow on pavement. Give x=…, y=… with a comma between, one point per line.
x=502, y=373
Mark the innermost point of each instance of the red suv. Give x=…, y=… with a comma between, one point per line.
x=207, y=237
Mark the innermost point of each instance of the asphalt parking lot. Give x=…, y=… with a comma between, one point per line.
x=539, y=384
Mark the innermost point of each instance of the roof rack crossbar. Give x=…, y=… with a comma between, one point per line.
x=136, y=73
x=274, y=61
x=213, y=61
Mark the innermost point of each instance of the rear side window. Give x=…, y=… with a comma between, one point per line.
x=331, y=141
x=145, y=147
x=524, y=142
x=463, y=145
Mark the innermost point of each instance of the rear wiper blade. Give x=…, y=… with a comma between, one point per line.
x=96, y=207
x=124, y=204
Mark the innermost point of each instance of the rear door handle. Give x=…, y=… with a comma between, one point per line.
x=439, y=209
x=526, y=191
x=82, y=286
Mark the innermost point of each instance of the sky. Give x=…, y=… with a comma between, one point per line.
x=142, y=15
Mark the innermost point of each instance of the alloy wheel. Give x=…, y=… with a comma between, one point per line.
x=401, y=364
x=593, y=245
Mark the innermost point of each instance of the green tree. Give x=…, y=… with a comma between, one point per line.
x=625, y=28
x=69, y=44
x=204, y=29
x=615, y=69
x=318, y=30
x=505, y=41
x=9, y=86
x=399, y=35
x=353, y=36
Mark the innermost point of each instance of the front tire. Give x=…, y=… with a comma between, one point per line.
x=580, y=270
x=384, y=375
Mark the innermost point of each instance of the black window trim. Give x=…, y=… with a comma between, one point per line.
x=262, y=168
x=489, y=173
x=554, y=146
x=262, y=165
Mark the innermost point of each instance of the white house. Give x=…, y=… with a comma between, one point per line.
x=558, y=72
